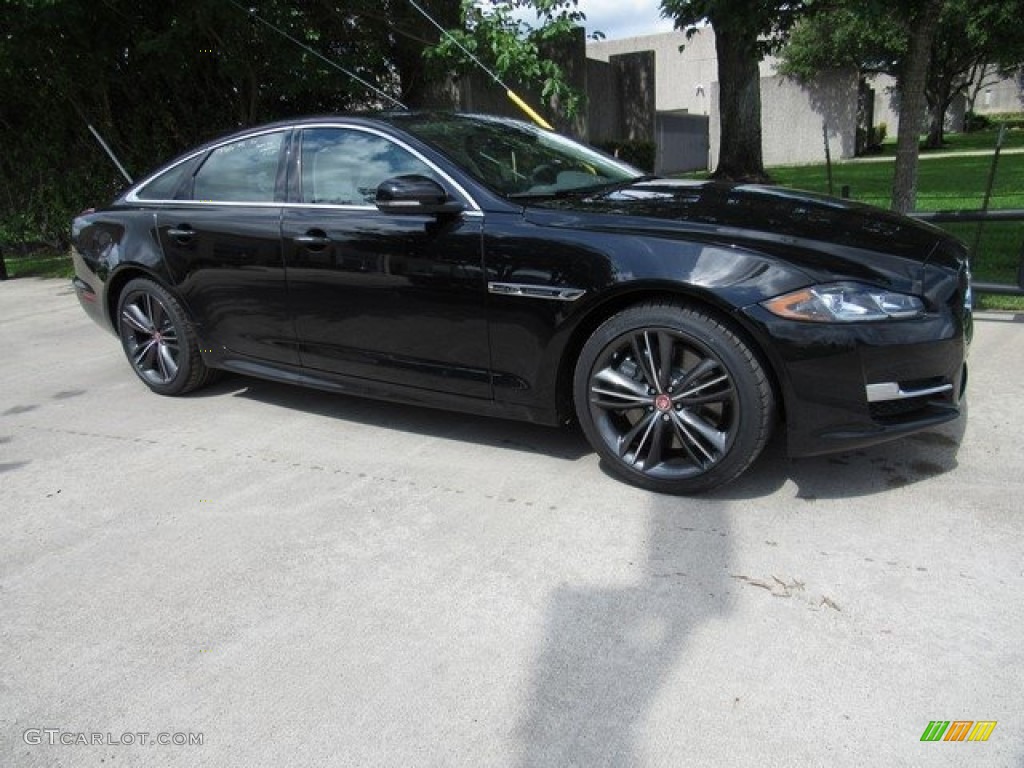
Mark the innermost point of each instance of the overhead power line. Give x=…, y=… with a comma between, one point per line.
x=508, y=91
x=251, y=13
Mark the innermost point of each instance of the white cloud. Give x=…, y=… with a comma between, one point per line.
x=624, y=18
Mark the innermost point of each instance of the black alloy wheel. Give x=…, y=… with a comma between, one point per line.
x=157, y=339
x=672, y=399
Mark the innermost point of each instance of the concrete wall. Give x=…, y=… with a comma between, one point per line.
x=793, y=117
x=1007, y=95
x=620, y=98
x=792, y=114
x=682, y=80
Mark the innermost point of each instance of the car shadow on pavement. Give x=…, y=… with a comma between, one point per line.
x=608, y=652
x=568, y=444
x=861, y=472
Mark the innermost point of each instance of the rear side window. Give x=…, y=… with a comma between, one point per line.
x=244, y=171
x=163, y=186
x=341, y=166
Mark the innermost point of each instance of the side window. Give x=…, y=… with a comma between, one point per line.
x=164, y=185
x=341, y=166
x=243, y=171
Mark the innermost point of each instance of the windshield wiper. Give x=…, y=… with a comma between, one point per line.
x=605, y=187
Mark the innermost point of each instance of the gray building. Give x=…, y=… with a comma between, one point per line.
x=795, y=118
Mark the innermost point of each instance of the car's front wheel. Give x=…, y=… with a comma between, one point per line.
x=672, y=400
x=157, y=339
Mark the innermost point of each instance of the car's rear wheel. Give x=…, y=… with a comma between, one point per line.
x=158, y=340
x=672, y=400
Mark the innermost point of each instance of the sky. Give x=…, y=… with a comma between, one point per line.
x=624, y=18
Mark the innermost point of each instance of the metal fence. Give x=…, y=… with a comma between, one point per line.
x=983, y=218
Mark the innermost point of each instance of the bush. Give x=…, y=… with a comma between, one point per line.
x=870, y=142
x=878, y=134
x=975, y=122
x=1012, y=120
x=642, y=154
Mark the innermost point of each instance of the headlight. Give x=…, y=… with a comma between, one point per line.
x=844, y=303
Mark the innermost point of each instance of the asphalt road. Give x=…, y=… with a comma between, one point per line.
x=303, y=579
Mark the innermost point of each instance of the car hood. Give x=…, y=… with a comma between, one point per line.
x=816, y=233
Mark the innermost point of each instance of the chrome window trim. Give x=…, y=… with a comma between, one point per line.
x=467, y=198
x=132, y=196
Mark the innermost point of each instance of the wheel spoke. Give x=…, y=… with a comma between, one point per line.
x=620, y=403
x=708, y=432
x=626, y=385
x=142, y=355
x=698, y=371
x=689, y=442
x=168, y=365
x=134, y=317
x=721, y=396
x=693, y=391
x=666, y=347
x=147, y=309
x=654, y=455
x=643, y=425
x=641, y=345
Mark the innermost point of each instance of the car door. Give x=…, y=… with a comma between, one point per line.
x=223, y=246
x=397, y=298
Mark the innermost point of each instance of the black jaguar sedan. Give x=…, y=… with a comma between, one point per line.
x=481, y=264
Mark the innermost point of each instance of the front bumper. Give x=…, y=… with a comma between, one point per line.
x=846, y=386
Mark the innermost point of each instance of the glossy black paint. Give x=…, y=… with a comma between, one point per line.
x=397, y=305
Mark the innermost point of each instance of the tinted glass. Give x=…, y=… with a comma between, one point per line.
x=164, y=185
x=243, y=171
x=518, y=159
x=341, y=166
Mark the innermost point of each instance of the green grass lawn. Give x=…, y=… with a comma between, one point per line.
x=944, y=183
x=42, y=263
x=962, y=142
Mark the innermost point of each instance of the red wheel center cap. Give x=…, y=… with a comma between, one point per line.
x=663, y=403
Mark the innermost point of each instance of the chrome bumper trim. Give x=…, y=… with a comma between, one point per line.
x=891, y=390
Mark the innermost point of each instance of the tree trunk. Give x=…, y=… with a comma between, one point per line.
x=937, y=116
x=912, y=104
x=740, y=156
x=423, y=87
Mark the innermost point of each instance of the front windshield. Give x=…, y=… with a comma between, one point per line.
x=518, y=159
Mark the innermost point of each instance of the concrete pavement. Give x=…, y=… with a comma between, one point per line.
x=302, y=579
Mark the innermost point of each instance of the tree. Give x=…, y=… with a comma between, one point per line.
x=934, y=48
x=158, y=78
x=745, y=30
x=974, y=37
x=496, y=33
x=922, y=20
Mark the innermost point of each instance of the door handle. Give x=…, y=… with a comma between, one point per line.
x=182, y=231
x=313, y=239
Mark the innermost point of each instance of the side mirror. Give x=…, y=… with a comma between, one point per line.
x=414, y=194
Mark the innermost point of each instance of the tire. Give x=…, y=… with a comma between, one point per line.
x=158, y=340
x=671, y=399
